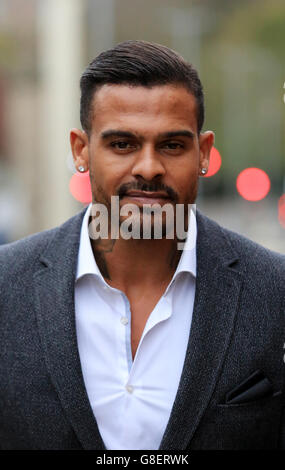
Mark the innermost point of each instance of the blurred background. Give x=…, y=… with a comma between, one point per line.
x=238, y=49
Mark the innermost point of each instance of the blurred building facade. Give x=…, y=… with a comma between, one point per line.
x=238, y=49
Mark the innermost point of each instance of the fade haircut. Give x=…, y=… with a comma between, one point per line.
x=138, y=63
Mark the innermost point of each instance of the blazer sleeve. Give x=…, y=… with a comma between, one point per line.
x=282, y=430
x=282, y=423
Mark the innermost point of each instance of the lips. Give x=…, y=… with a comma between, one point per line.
x=147, y=197
x=148, y=194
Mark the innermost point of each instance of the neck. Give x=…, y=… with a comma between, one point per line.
x=125, y=263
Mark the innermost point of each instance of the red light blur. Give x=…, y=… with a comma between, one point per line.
x=215, y=162
x=253, y=184
x=281, y=210
x=80, y=187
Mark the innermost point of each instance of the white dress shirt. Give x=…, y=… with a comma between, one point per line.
x=132, y=400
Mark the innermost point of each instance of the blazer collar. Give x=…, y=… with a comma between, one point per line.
x=218, y=285
x=54, y=302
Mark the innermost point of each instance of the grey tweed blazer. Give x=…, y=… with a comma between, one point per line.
x=231, y=392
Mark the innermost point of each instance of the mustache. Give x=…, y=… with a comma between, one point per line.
x=147, y=186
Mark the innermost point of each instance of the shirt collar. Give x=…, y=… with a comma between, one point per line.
x=187, y=262
x=86, y=263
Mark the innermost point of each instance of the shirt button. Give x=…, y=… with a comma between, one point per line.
x=129, y=388
x=124, y=320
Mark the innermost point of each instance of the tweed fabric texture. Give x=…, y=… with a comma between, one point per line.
x=238, y=327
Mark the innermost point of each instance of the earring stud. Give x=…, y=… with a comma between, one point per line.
x=81, y=169
x=204, y=171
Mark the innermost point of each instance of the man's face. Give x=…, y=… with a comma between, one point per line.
x=144, y=145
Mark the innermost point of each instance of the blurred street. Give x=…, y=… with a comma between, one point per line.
x=238, y=49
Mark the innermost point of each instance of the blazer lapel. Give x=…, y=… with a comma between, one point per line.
x=54, y=302
x=216, y=299
x=217, y=292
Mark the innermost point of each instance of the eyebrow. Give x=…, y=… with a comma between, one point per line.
x=119, y=133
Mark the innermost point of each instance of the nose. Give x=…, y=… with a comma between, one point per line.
x=148, y=164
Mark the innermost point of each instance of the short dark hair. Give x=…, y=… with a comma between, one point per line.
x=138, y=63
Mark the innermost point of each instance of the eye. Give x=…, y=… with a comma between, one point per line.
x=122, y=145
x=173, y=147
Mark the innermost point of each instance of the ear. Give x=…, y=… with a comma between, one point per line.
x=206, y=142
x=79, y=147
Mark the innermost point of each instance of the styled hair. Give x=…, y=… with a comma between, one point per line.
x=138, y=63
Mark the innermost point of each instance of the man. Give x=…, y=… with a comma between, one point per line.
x=130, y=342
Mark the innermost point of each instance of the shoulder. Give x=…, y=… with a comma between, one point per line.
x=20, y=256
x=253, y=257
x=26, y=249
